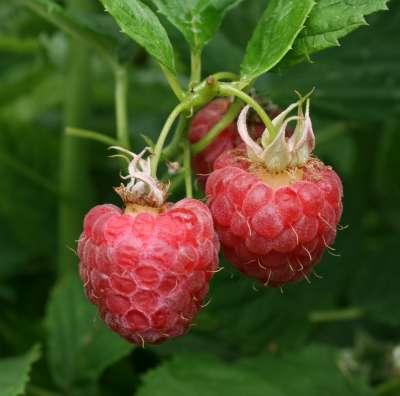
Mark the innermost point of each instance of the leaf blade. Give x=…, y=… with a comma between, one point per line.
x=80, y=346
x=329, y=21
x=14, y=372
x=139, y=22
x=274, y=35
x=198, y=21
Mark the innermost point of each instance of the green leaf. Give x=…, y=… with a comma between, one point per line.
x=198, y=20
x=200, y=375
x=329, y=21
x=14, y=372
x=80, y=345
x=139, y=22
x=358, y=83
x=310, y=372
x=274, y=35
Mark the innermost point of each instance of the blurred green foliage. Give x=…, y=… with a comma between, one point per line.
x=335, y=336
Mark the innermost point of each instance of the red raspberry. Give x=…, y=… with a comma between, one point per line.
x=274, y=225
x=229, y=138
x=147, y=269
x=148, y=274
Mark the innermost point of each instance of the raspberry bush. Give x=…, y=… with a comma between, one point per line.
x=235, y=243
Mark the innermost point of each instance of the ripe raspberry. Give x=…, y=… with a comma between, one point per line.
x=275, y=210
x=229, y=138
x=147, y=269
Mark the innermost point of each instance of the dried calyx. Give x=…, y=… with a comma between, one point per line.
x=142, y=189
x=278, y=152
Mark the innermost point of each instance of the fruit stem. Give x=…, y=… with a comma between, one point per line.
x=195, y=59
x=171, y=150
x=225, y=89
x=353, y=313
x=213, y=133
x=121, y=96
x=163, y=136
x=226, y=76
x=86, y=134
x=187, y=168
x=173, y=83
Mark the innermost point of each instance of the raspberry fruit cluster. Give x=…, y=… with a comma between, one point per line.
x=272, y=205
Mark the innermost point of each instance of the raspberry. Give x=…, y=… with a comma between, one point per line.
x=274, y=225
x=147, y=269
x=229, y=138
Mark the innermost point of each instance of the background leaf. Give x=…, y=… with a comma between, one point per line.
x=309, y=372
x=14, y=372
x=329, y=21
x=274, y=35
x=80, y=345
x=198, y=20
x=139, y=22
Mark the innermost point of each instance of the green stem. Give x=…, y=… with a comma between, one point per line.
x=212, y=134
x=85, y=134
x=74, y=167
x=173, y=83
x=121, y=111
x=195, y=75
x=225, y=76
x=173, y=147
x=16, y=45
x=163, y=135
x=336, y=315
x=187, y=169
x=225, y=89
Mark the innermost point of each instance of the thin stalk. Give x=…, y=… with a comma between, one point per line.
x=229, y=90
x=336, y=315
x=74, y=168
x=163, y=136
x=121, y=111
x=85, y=134
x=173, y=147
x=213, y=133
x=195, y=75
x=225, y=76
x=173, y=83
x=187, y=169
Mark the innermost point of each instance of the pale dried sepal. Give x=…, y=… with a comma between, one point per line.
x=276, y=155
x=282, y=152
x=141, y=184
x=253, y=149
